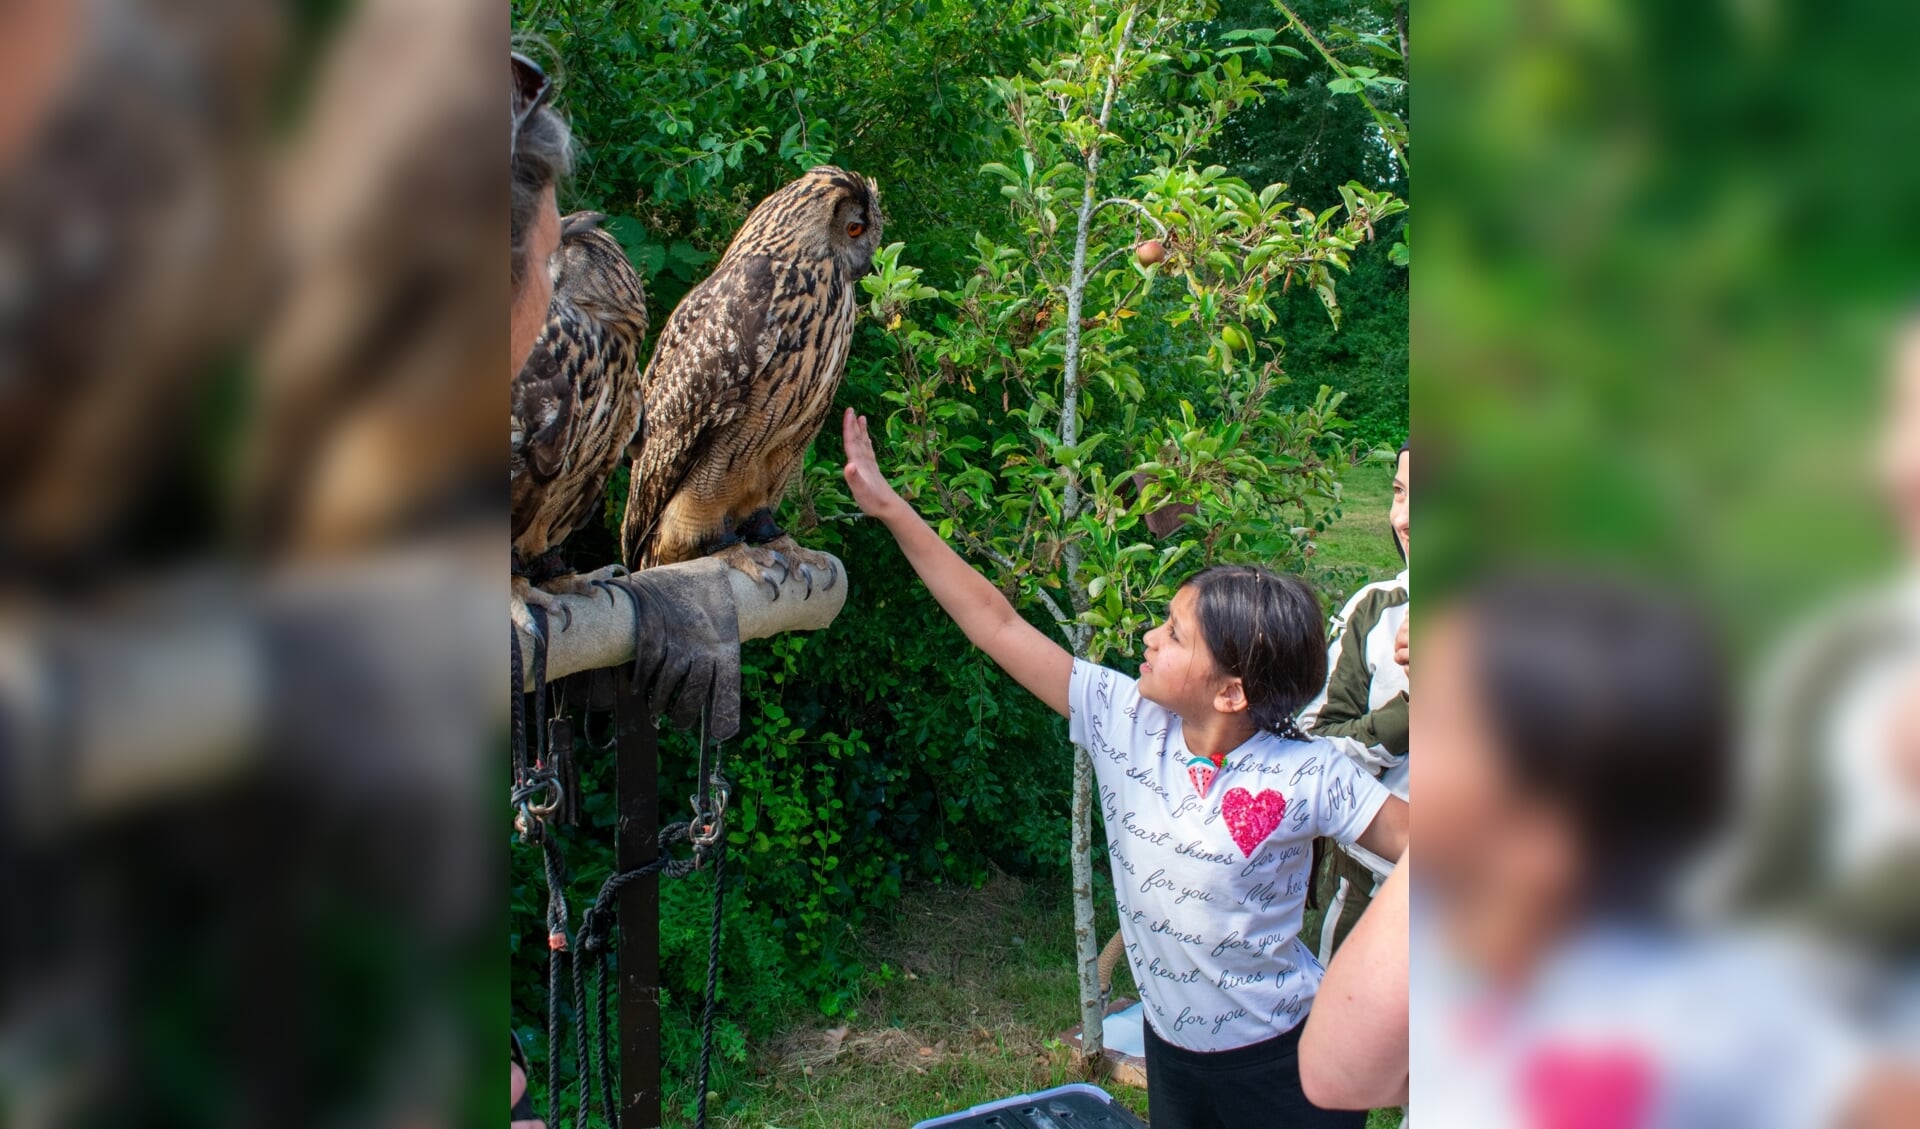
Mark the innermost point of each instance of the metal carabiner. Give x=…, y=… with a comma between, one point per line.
x=709, y=822
x=558, y=796
x=530, y=817
x=524, y=824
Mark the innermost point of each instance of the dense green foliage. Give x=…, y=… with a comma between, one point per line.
x=885, y=750
x=1313, y=138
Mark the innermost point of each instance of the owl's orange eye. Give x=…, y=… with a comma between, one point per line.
x=854, y=230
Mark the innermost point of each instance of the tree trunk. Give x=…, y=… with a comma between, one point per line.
x=1400, y=25
x=1086, y=938
x=1085, y=935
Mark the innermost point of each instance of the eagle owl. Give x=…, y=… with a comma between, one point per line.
x=576, y=402
x=744, y=375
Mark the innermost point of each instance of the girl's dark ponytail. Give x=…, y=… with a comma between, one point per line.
x=1266, y=630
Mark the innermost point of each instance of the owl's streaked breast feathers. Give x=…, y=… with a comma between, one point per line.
x=746, y=368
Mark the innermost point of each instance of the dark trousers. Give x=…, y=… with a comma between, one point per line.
x=1255, y=1087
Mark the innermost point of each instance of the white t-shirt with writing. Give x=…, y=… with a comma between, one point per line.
x=1211, y=868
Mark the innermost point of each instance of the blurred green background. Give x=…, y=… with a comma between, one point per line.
x=1661, y=245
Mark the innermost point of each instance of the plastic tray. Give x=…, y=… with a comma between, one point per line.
x=1076, y=1106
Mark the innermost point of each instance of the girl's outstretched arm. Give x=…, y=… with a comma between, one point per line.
x=1041, y=665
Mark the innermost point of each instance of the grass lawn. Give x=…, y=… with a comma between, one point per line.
x=1356, y=548
x=977, y=984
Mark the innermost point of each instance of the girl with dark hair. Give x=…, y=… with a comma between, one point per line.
x=1212, y=797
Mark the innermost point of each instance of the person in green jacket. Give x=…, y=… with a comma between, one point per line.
x=1364, y=708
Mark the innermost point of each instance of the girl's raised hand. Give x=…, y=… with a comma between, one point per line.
x=862, y=472
x=982, y=611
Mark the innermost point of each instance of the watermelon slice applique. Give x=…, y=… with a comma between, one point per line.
x=1201, y=771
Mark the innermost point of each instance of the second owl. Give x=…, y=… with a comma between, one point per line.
x=744, y=375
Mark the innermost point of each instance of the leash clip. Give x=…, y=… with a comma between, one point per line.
x=710, y=822
x=531, y=817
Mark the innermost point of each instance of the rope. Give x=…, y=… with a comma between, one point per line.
x=556, y=956
x=539, y=617
x=710, y=811
x=589, y=954
x=587, y=1081
x=607, y=1102
x=713, y=988
x=596, y=925
x=591, y=948
x=518, y=730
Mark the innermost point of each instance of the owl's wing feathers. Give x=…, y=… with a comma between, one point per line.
x=540, y=423
x=574, y=402
x=718, y=342
x=543, y=399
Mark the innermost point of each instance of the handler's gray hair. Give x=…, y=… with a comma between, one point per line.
x=542, y=156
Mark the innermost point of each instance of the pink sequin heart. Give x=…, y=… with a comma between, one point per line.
x=1201, y=775
x=1601, y=1088
x=1251, y=818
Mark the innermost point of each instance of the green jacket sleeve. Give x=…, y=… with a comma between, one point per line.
x=1386, y=727
x=1343, y=711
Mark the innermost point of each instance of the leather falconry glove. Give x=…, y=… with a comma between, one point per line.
x=686, y=645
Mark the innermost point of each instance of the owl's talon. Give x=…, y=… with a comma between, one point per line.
x=759, y=563
x=523, y=619
x=811, y=566
x=791, y=561
x=547, y=592
x=525, y=597
x=786, y=571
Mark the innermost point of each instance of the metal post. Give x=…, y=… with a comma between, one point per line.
x=638, y=772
